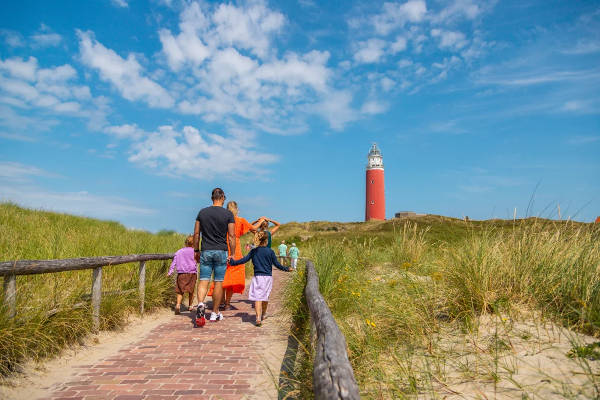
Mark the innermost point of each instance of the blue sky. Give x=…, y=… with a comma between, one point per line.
x=133, y=111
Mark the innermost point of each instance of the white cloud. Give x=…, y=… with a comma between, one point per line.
x=336, y=108
x=78, y=203
x=187, y=46
x=235, y=71
x=309, y=69
x=200, y=155
x=450, y=39
x=398, y=45
x=583, y=47
x=387, y=84
x=126, y=75
x=502, y=76
x=583, y=139
x=125, y=131
x=573, y=105
x=17, y=172
x=19, y=68
x=370, y=51
x=248, y=27
x=373, y=107
x=120, y=3
x=458, y=9
x=31, y=96
x=395, y=15
x=25, y=84
x=17, y=184
x=45, y=38
x=232, y=69
x=12, y=38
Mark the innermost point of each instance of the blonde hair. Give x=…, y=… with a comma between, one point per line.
x=261, y=238
x=233, y=207
x=189, y=241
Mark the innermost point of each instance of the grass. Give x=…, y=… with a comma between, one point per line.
x=30, y=234
x=410, y=296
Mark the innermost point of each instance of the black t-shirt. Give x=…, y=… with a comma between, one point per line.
x=213, y=225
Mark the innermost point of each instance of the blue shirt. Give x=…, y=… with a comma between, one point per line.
x=294, y=252
x=282, y=250
x=263, y=259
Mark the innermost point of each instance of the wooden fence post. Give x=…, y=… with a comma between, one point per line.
x=142, y=286
x=10, y=294
x=96, y=297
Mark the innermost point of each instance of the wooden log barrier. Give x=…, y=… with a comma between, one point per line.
x=10, y=294
x=10, y=269
x=96, y=297
x=142, y=285
x=29, y=267
x=333, y=377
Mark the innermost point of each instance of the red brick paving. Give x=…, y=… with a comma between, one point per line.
x=220, y=361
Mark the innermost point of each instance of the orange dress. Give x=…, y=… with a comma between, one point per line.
x=235, y=276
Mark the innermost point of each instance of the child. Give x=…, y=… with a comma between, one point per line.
x=263, y=259
x=294, y=253
x=186, y=272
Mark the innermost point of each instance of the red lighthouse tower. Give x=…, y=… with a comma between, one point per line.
x=375, y=193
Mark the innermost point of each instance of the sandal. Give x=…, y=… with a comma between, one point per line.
x=177, y=310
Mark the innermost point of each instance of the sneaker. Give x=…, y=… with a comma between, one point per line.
x=200, y=319
x=214, y=317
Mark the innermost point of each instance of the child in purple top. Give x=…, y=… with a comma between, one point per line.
x=186, y=272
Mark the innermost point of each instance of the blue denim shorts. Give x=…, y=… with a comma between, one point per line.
x=213, y=261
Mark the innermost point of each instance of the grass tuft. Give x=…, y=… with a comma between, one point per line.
x=53, y=310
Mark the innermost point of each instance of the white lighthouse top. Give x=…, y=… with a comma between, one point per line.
x=375, y=159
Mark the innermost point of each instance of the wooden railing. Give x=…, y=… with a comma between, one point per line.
x=333, y=377
x=10, y=269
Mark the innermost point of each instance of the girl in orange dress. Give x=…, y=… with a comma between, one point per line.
x=235, y=277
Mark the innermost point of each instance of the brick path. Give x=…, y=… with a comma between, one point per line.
x=229, y=359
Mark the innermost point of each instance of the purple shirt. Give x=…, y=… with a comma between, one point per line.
x=184, y=261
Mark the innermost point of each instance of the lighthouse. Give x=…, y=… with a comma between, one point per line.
x=375, y=194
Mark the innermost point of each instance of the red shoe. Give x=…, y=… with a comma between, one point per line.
x=200, y=320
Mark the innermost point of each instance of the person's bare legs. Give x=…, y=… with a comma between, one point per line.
x=265, y=304
x=217, y=296
x=258, y=307
x=202, y=290
x=190, y=299
x=228, y=296
x=179, y=298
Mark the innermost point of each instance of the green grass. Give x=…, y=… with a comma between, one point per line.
x=397, y=287
x=30, y=234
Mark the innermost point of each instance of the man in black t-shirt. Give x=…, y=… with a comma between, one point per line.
x=217, y=225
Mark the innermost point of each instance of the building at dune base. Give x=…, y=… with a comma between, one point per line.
x=408, y=214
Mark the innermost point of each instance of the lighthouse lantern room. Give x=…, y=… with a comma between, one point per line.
x=375, y=189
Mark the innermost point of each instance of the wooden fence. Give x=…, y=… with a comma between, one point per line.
x=9, y=270
x=333, y=377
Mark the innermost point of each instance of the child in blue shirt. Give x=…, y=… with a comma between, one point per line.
x=263, y=259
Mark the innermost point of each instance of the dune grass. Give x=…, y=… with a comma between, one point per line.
x=46, y=321
x=396, y=288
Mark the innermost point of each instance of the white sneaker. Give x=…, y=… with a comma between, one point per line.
x=214, y=317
